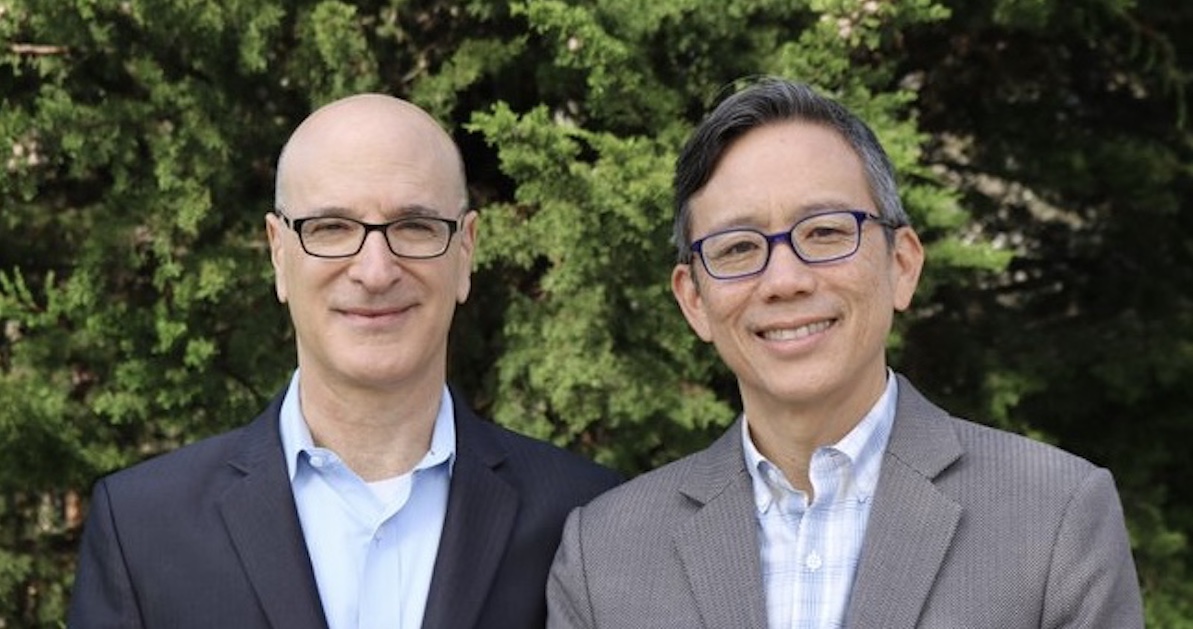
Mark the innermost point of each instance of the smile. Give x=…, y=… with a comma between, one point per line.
x=370, y=314
x=375, y=316
x=792, y=334
x=374, y=313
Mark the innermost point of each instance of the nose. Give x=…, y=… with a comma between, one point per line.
x=785, y=274
x=375, y=267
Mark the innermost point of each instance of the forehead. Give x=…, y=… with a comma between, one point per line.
x=368, y=159
x=778, y=173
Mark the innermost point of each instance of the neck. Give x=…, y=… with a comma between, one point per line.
x=788, y=434
x=377, y=435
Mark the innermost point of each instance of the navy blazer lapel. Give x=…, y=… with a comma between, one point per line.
x=262, y=521
x=718, y=546
x=481, y=508
x=911, y=523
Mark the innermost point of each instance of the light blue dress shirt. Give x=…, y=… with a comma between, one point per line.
x=810, y=549
x=372, y=545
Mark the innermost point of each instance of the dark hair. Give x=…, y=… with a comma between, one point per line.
x=772, y=100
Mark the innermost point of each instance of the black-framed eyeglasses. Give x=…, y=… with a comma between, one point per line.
x=816, y=239
x=416, y=237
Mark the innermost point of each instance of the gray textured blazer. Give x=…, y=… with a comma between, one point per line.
x=971, y=528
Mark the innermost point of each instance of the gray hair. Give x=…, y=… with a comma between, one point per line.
x=773, y=100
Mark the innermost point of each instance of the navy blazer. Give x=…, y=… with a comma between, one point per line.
x=208, y=535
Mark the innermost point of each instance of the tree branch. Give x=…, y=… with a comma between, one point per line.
x=38, y=49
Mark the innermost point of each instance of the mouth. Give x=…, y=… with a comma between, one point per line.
x=375, y=314
x=796, y=333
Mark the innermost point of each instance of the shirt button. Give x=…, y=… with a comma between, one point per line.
x=317, y=460
x=812, y=561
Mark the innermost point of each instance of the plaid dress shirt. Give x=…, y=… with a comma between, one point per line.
x=810, y=550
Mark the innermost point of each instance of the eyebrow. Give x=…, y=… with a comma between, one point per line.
x=410, y=210
x=417, y=210
x=800, y=212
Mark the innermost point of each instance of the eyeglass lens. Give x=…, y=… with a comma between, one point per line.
x=818, y=238
x=340, y=237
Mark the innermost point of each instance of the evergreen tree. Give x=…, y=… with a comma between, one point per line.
x=1042, y=150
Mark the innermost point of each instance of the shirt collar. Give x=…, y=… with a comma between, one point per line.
x=296, y=435
x=863, y=446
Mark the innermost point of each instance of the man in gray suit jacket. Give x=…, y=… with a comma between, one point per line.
x=841, y=497
x=367, y=494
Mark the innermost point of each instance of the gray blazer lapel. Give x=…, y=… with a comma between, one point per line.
x=481, y=509
x=718, y=546
x=911, y=523
x=262, y=521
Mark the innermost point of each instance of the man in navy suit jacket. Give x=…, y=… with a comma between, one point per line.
x=367, y=493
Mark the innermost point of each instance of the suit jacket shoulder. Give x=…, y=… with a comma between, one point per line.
x=531, y=462
x=992, y=528
x=180, y=473
x=508, y=500
x=204, y=536
x=674, y=548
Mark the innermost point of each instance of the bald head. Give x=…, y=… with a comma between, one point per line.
x=374, y=321
x=371, y=134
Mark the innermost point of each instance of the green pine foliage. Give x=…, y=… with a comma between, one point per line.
x=1041, y=146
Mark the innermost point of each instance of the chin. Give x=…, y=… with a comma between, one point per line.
x=801, y=386
x=376, y=372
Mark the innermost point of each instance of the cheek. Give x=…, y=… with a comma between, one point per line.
x=873, y=295
x=304, y=281
x=724, y=305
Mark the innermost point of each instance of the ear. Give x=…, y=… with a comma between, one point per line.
x=273, y=231
x=907, y=262
x=691, y=302
x=468, y=235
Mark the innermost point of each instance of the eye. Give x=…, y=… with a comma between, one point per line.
x=417, y=228
x=330, y=226
x=415, y=225
x=732, y=246
x=821, y=232
x=829, y=228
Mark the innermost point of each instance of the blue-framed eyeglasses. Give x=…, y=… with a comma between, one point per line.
x=416, y=237
x=816, y=239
